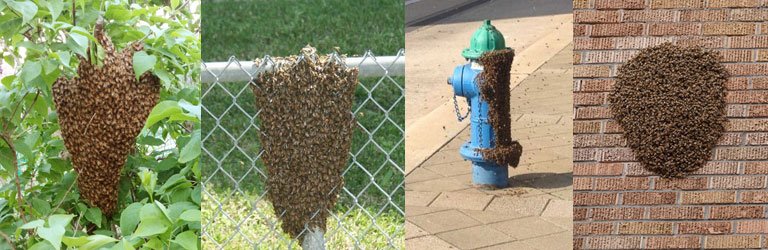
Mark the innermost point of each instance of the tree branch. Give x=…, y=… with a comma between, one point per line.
x=10, y=243
x=30, y=105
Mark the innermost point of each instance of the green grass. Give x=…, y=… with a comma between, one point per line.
x=358, y=227
x=254, y=29
x=249, y=30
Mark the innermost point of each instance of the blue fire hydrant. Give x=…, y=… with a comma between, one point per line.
x=486, y=38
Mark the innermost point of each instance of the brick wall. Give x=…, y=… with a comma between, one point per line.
x=620, y=205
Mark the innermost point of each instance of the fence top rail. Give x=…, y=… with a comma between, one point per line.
x=243, y=71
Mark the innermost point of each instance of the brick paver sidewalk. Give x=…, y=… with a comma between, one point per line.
x=444, y=211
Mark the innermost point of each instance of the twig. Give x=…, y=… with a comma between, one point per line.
x=10, y=243
x=89, y=124
x=16, y=174
x=5, y=126
x=62, y=199
x=74, y=16
x=30, y=105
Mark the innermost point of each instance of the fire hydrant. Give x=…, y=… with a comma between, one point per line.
x=484, y=172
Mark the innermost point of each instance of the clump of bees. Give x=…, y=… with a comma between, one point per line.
x=306, y=133
x=494, y=88
x=670, y=101
x=101, y=113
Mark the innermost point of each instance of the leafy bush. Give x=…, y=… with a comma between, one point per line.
x=159, y=196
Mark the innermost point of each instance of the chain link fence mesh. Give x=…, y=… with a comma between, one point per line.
x=370, y=212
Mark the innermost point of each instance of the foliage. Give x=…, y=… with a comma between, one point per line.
x=159, y=195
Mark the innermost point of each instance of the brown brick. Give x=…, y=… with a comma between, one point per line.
x=736, y=55
x=736, y=111
x=612, y=127
x=584, y=154
x=738, y=182
x=599, y=169
x=628, y=183
x=582, y=183
x=731, y=29
x=580, y=4
x=642, y=42
x=613, y=56
x=586, y=127
x=672, y=242
x=746, y=97
x=732, y=242
x=576, y=57
x=649, y=198
x=756, y=197
x=621, y=29
x=594, y=43
x=580, y=29
x=741, y=153
x=703, y=15
x=757, y=139
x=578, y=243
x=705, y=227
x=752, y=227
x=730, y=139
x=635, y=169
x=614, y=242
x=755, y=69
x=645, y=227
x=719, y=168
x=622, y=4
x=762, y=55
x=580, y=213
x=735, y=212
x=600, y=140
x=763, y=28
x=749, y=15
x=708, y=197
x=690, y=183
x=676, y=213
x=665, y=29
x=587, y=113
x=758, y=110
x=702, y=41
x=748, y=42
x=747, y=125
x=616, y=155
x=756, y=167
x=591, y=71
x=592, y=228
x=589, y=98
x=594, y=199
x=735, y=83
x=675, y=4
x=618, y=213
x=632, y=16
x=597, y=85
x=733, y=3
x=760, y=83
x=601, y=16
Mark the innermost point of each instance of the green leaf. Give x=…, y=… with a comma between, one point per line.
x=174, y=4
x=117, y=12
x=130, y=218
x=60, y=220
x=187, y=239
x=33, y=224
x=142, y=62
x=94, y=216
x=55, y=6
x=153, y=221
x=164, y=76
x=30, y=71
x=28, y=9
x=123, y=245
x=161, y=111
x=96, y=241
x=64, y=58
x=75, y=242
x=191, y=215
x=52, y=235
x=192, y=149
x=42, y=245
x=75, y=46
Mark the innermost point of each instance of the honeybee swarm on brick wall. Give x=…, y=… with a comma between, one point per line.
x=101, y=113
x=306, y=130
x=494, y=88
x=670, y=102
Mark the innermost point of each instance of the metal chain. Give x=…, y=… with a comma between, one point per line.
x=456, y=108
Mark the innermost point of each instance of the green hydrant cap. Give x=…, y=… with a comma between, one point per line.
x=486, y=38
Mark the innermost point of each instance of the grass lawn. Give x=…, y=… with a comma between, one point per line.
x=250, y=30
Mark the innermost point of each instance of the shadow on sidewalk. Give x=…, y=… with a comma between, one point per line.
x=542, y=180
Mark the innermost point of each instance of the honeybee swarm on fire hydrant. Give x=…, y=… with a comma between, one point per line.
x=306, y=133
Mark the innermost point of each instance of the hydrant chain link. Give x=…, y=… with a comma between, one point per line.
x=458, y=113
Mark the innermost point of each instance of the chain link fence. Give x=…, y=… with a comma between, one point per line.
x=370, y=212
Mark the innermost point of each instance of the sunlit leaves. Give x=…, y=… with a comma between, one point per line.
x=142, y=62
x=27, y=9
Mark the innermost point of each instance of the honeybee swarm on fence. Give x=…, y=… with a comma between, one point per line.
x=101, y=113
x=306, y=134
x=494, y=89
x=670, y=102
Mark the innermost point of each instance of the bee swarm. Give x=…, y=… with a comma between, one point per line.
x=306, y=134
x=494, y=88
x=670, y=102
x=100, y=115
